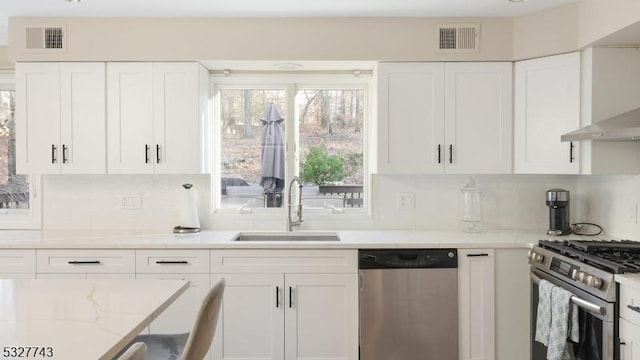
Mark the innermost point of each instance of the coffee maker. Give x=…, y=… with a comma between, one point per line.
x=558, y=203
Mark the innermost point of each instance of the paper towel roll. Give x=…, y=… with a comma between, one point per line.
x=189, y=208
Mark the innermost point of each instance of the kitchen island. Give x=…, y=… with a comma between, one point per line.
x=78, y=319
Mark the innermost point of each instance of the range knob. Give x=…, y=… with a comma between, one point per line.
x=578, y=275
x=575, y=274
x=593, y=281
x=535, y=257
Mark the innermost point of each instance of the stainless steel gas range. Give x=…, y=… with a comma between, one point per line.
x=586, y=268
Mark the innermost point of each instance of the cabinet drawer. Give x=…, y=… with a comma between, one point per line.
x=86, y=261
x=172, y=261
x=630, y=304
x=288, y=261
x=17, y=261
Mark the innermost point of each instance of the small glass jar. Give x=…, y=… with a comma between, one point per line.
x=472, y=197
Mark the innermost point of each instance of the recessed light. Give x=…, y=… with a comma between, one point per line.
x=517, y=1
x=73, y=1
x=287, y=66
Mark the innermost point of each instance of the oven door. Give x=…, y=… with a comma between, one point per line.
x=598, y=323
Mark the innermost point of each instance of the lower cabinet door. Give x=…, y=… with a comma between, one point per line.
x=476, y=294
x=629, y=341
x=180, y=316
x=251, y=323
x=321, y=316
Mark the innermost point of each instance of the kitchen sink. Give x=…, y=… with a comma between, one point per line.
x=287, y=237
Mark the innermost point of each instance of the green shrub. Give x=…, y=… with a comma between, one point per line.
x=321, y=168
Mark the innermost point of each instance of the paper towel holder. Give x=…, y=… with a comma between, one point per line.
x=188, y=207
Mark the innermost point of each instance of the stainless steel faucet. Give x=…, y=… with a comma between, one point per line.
x=298, y=221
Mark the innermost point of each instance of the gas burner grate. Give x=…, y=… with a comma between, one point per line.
x=614, y=256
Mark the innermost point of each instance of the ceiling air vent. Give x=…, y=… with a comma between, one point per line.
x=45, y=38
x=458, y=38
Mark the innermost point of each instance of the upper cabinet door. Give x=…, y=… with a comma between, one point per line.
x=38, y=118
x=410, y=118
x=176, y=147
x=547, y=105
x=130, y=118
x=478, y=118
x=83, y=116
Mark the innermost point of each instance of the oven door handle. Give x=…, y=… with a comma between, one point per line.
x=587, y=305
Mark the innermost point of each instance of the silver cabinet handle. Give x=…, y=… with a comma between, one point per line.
x=157, y=154
x=277, y=296
x=163, y=262
x=84, y=262
x=450, y=153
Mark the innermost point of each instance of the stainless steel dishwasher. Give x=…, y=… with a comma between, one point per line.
x=409, y=304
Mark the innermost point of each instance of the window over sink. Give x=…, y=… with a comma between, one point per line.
x=272, y=128
x=19, y=193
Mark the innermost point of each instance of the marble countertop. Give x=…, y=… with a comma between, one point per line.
x=632, y=280
x=80, y=319
x=351, y=239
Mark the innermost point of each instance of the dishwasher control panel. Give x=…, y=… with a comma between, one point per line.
x=408, y=258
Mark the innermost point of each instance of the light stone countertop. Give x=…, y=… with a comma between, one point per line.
x=80, y=319
x=351, y=239
x=632, y=280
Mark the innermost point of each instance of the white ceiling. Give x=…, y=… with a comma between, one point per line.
x=268, y=8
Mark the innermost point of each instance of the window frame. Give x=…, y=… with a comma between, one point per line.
x=291, y=83
x=20, y=219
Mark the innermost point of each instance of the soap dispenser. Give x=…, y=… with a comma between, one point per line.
x=472, y=198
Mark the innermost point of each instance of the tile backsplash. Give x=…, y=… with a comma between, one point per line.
x=94, y=202
x=613, y=202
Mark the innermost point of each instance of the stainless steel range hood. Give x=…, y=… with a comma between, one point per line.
x=623, y=127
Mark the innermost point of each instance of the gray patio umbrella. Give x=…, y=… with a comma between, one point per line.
x=272, y=164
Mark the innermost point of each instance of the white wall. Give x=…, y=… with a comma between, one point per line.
x=93, y=203
x=188, y=39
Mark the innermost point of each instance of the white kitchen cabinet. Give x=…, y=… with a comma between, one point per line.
x=276, y=312
x=251, y=323
x=478, y=118
x=157, y=116
x=60, y=118
x=512, y=304
x=476, y=299
x=180, y=316
x=547, y=105
x=629, y=321
x=410, y=118
x=444, y=118
x=17, y=264
x=321, y=318
x=85, y=261
x=85, y=264
x=176, y=264
x=629, y=340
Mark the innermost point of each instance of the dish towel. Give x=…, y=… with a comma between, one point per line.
x=564, y=324
x=543, y=319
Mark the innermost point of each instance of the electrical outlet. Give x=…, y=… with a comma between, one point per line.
x=405, y=201
x=131, y=202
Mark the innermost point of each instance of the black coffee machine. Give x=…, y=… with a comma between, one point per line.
x=558, y=203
